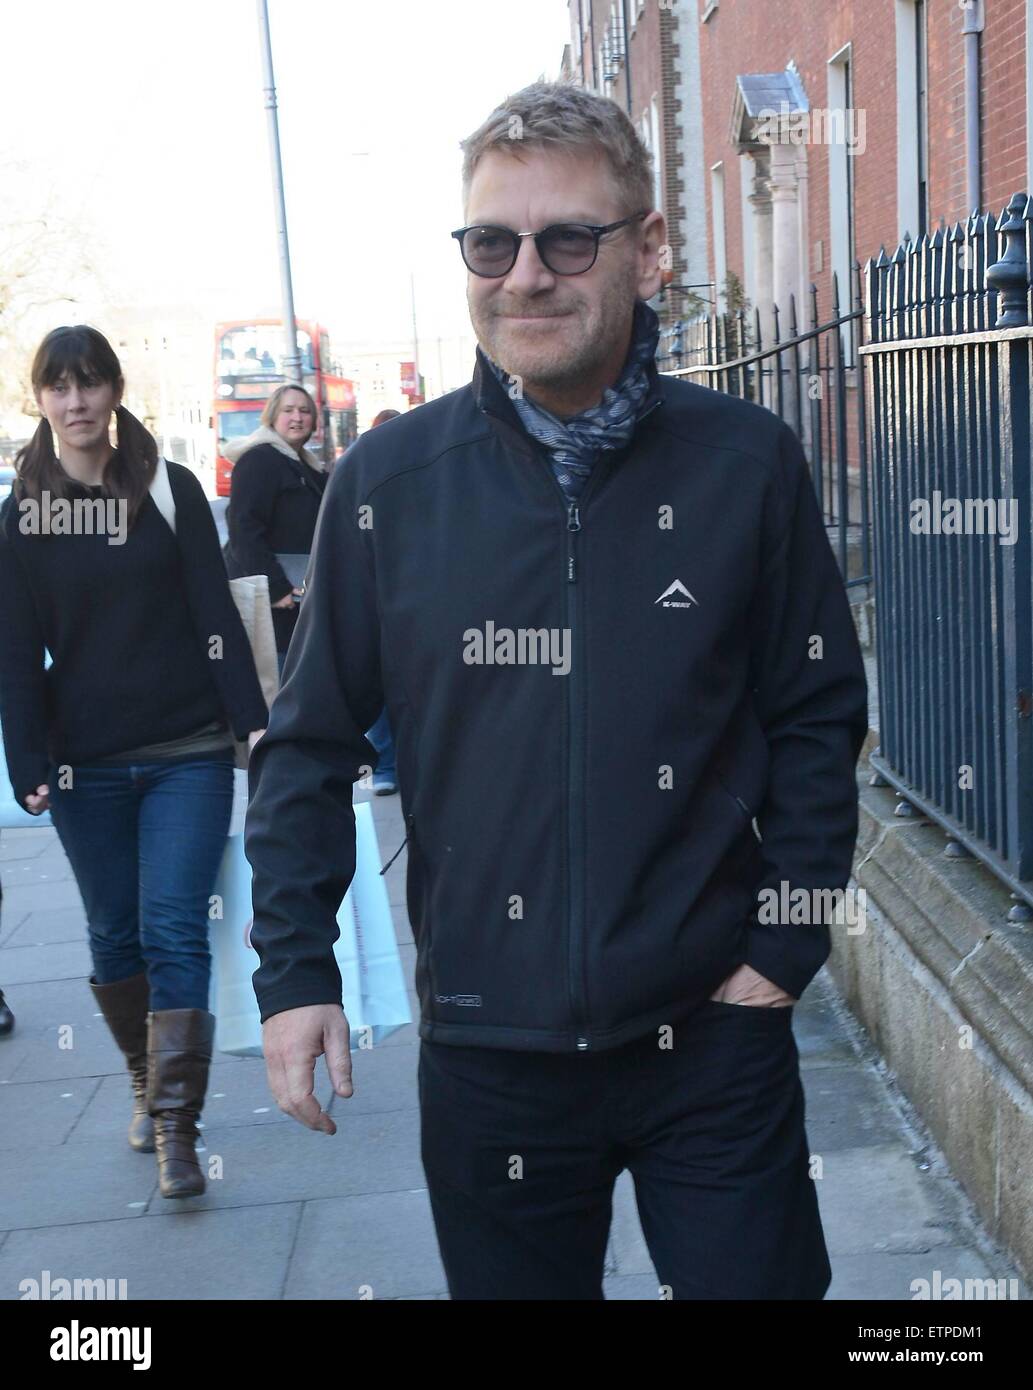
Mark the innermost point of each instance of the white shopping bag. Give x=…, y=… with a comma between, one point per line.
x=375, y=998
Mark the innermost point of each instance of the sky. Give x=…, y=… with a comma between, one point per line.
x=144, y=122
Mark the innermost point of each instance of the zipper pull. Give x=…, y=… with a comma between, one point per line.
x=573, y=517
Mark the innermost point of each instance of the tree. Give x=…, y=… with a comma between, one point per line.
x=47, y=264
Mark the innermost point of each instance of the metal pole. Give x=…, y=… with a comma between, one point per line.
x=291, y=358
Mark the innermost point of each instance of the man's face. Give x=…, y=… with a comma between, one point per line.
x=552, y=330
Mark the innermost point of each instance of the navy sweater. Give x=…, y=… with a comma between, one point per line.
x=146, y=641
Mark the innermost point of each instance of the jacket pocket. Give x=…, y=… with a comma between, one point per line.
x=742, y=766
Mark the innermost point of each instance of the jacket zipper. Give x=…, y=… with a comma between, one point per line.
x=576, y=747
x=575, y=810
x=576, y=756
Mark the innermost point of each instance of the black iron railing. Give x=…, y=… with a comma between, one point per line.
x=809, y=378
x=949, y=354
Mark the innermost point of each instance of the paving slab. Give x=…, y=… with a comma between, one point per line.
x=46, y=1110
x=238, y=1254
x=873, y=1199
x=64, y=1184
x=889, y=1277
x=846, y=1108
x=29, y=897
x=25, y=844
x=68, y=1049
x=377, y=1245
x=46, y=927
x=269, y=1163
x=63, y=960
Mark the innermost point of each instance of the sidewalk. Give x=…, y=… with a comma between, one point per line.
x=298, y=1215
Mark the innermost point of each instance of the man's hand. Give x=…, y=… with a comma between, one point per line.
x=292, y=1041
x=747, y=986
x=289, y=600
x=39, y=801
x=253, y=738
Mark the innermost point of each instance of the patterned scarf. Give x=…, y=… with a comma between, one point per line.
x=574, y=445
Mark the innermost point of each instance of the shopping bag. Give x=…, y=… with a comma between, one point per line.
x=13, y=816
x=374, y=993
x=251, y=595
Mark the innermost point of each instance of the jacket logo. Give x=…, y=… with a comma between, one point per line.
x=677, y=588
x=470, y=1001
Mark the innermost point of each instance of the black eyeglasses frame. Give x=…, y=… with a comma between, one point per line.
x=596, y=231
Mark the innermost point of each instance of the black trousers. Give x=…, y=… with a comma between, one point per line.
x=522, y=1149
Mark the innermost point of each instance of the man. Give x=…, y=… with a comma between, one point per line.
x=610, y=631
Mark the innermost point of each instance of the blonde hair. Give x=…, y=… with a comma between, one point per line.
x=564, y=117
x=273, y=404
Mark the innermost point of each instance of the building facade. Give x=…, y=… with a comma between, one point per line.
x=833, y=127
x=645, y=55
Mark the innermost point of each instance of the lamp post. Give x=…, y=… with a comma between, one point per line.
x=291, y=358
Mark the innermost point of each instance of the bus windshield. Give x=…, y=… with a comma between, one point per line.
x=235, y=424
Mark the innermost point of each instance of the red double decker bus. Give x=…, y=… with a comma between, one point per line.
x=249, y=367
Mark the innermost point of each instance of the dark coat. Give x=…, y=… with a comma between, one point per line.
x=610, y=783
x=273, y=506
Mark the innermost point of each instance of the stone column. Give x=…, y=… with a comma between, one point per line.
x=785, y=249
x=760, y=202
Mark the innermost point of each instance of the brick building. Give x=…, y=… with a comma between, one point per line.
x=645, y=55
x=831, y=127
x=792, y=139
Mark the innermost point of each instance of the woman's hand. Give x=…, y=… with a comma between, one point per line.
x=289, y=600
x=253, y=738
x=40, y=801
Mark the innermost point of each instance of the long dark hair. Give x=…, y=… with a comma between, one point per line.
x=86, y=355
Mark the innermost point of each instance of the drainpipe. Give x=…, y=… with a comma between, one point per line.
x=972, y=27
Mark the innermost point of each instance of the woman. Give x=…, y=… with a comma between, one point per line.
x=127, y=737
x=276, y=488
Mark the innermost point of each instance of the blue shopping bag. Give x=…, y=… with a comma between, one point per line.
x=374, y=994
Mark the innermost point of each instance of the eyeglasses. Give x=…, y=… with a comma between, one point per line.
x=566, y=248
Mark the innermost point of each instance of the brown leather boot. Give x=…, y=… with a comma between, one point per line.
x=124, y=1005
x=179, y=1052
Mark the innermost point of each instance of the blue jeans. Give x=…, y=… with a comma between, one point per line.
x=380, y=737
x=145, y=843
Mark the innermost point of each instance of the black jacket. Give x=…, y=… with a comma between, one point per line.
x=273, y=506
x=582, y=863
x=129, y=628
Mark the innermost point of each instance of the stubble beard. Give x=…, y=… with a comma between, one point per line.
x=552, y=367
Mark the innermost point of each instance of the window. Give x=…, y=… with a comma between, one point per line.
x=912, y=119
